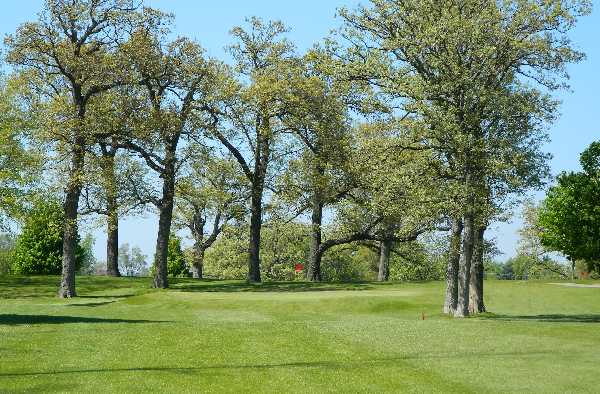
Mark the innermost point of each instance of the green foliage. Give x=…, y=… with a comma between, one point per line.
x=88, y=260
x=493, y=269
x=177, y=265
x=524, y=267
x=413, y=262
x=570, y=215
x=19, y=165
x=349, y=263
x=38, y=249
x=7, y=247
x=132, y=262
x=227, y=258
x=283, y=245
x=464, y=96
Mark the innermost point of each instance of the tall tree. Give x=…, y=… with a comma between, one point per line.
x=114, y=181
x=210, y=194
x=252, y=128
x=454, y=76
x=71, y=55
x=319, y=119
x=114, y=187
x=178, y=86
x=451, y=298
x=384, y=202
x=568, y=220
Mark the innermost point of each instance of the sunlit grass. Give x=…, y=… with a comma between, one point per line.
x=121, y=336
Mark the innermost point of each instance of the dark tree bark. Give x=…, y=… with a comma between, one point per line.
x=313, y=273
x=71, y=204
x=112, y=242
x=255, y=229
x=464, y=271
x=63, y=48
x=70, y=236
x=202, y=243
x=476, y=302
x=367, y=235
x=256, y=178
x=196, y=226
x=262, y=156
x=112, y=212
x=384, y=261
x=198, y=264
x=165, y=220
x=452, y=268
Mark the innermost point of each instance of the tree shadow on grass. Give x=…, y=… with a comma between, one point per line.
x=93, y=304
x=106, y=296
x=324, y=364
x=16, y=320
x=549, y=318
x=17, y=287
x=268, y=287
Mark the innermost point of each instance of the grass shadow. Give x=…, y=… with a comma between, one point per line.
x=25, y=287
x=16, y=320
x=93, y=304
x=547, y=318
x=322, y=364
x=267, y=287
x=106, y=296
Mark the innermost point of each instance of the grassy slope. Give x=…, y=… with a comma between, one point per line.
x=229, y=337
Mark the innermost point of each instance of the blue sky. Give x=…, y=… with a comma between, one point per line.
x=310, y=20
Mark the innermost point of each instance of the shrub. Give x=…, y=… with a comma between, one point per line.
x=349, y=263
x=283, y=245
x=38, y=249
x=413, y=262
x=176, y=262
x=227, y=258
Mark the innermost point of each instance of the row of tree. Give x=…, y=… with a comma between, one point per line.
x=414, y=117
x=567, y=220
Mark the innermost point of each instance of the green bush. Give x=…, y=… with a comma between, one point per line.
x=227, y=258
x=38, y=249
x=417, y=261
x=349, y=263
x=283, y=245
x=176, y=262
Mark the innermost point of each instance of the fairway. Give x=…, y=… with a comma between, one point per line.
x=120, y=336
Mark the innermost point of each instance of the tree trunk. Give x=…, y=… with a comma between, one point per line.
x=255, y=228
x=112, y=242
x=451, y=300
x=112, y=206
x=313, y=273
x=476, y=302
x=464, y=271
x=198, y=264
x=70, y=236
x=384, y=261
x=164, y=226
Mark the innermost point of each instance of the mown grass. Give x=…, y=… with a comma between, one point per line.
x=120, y=336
